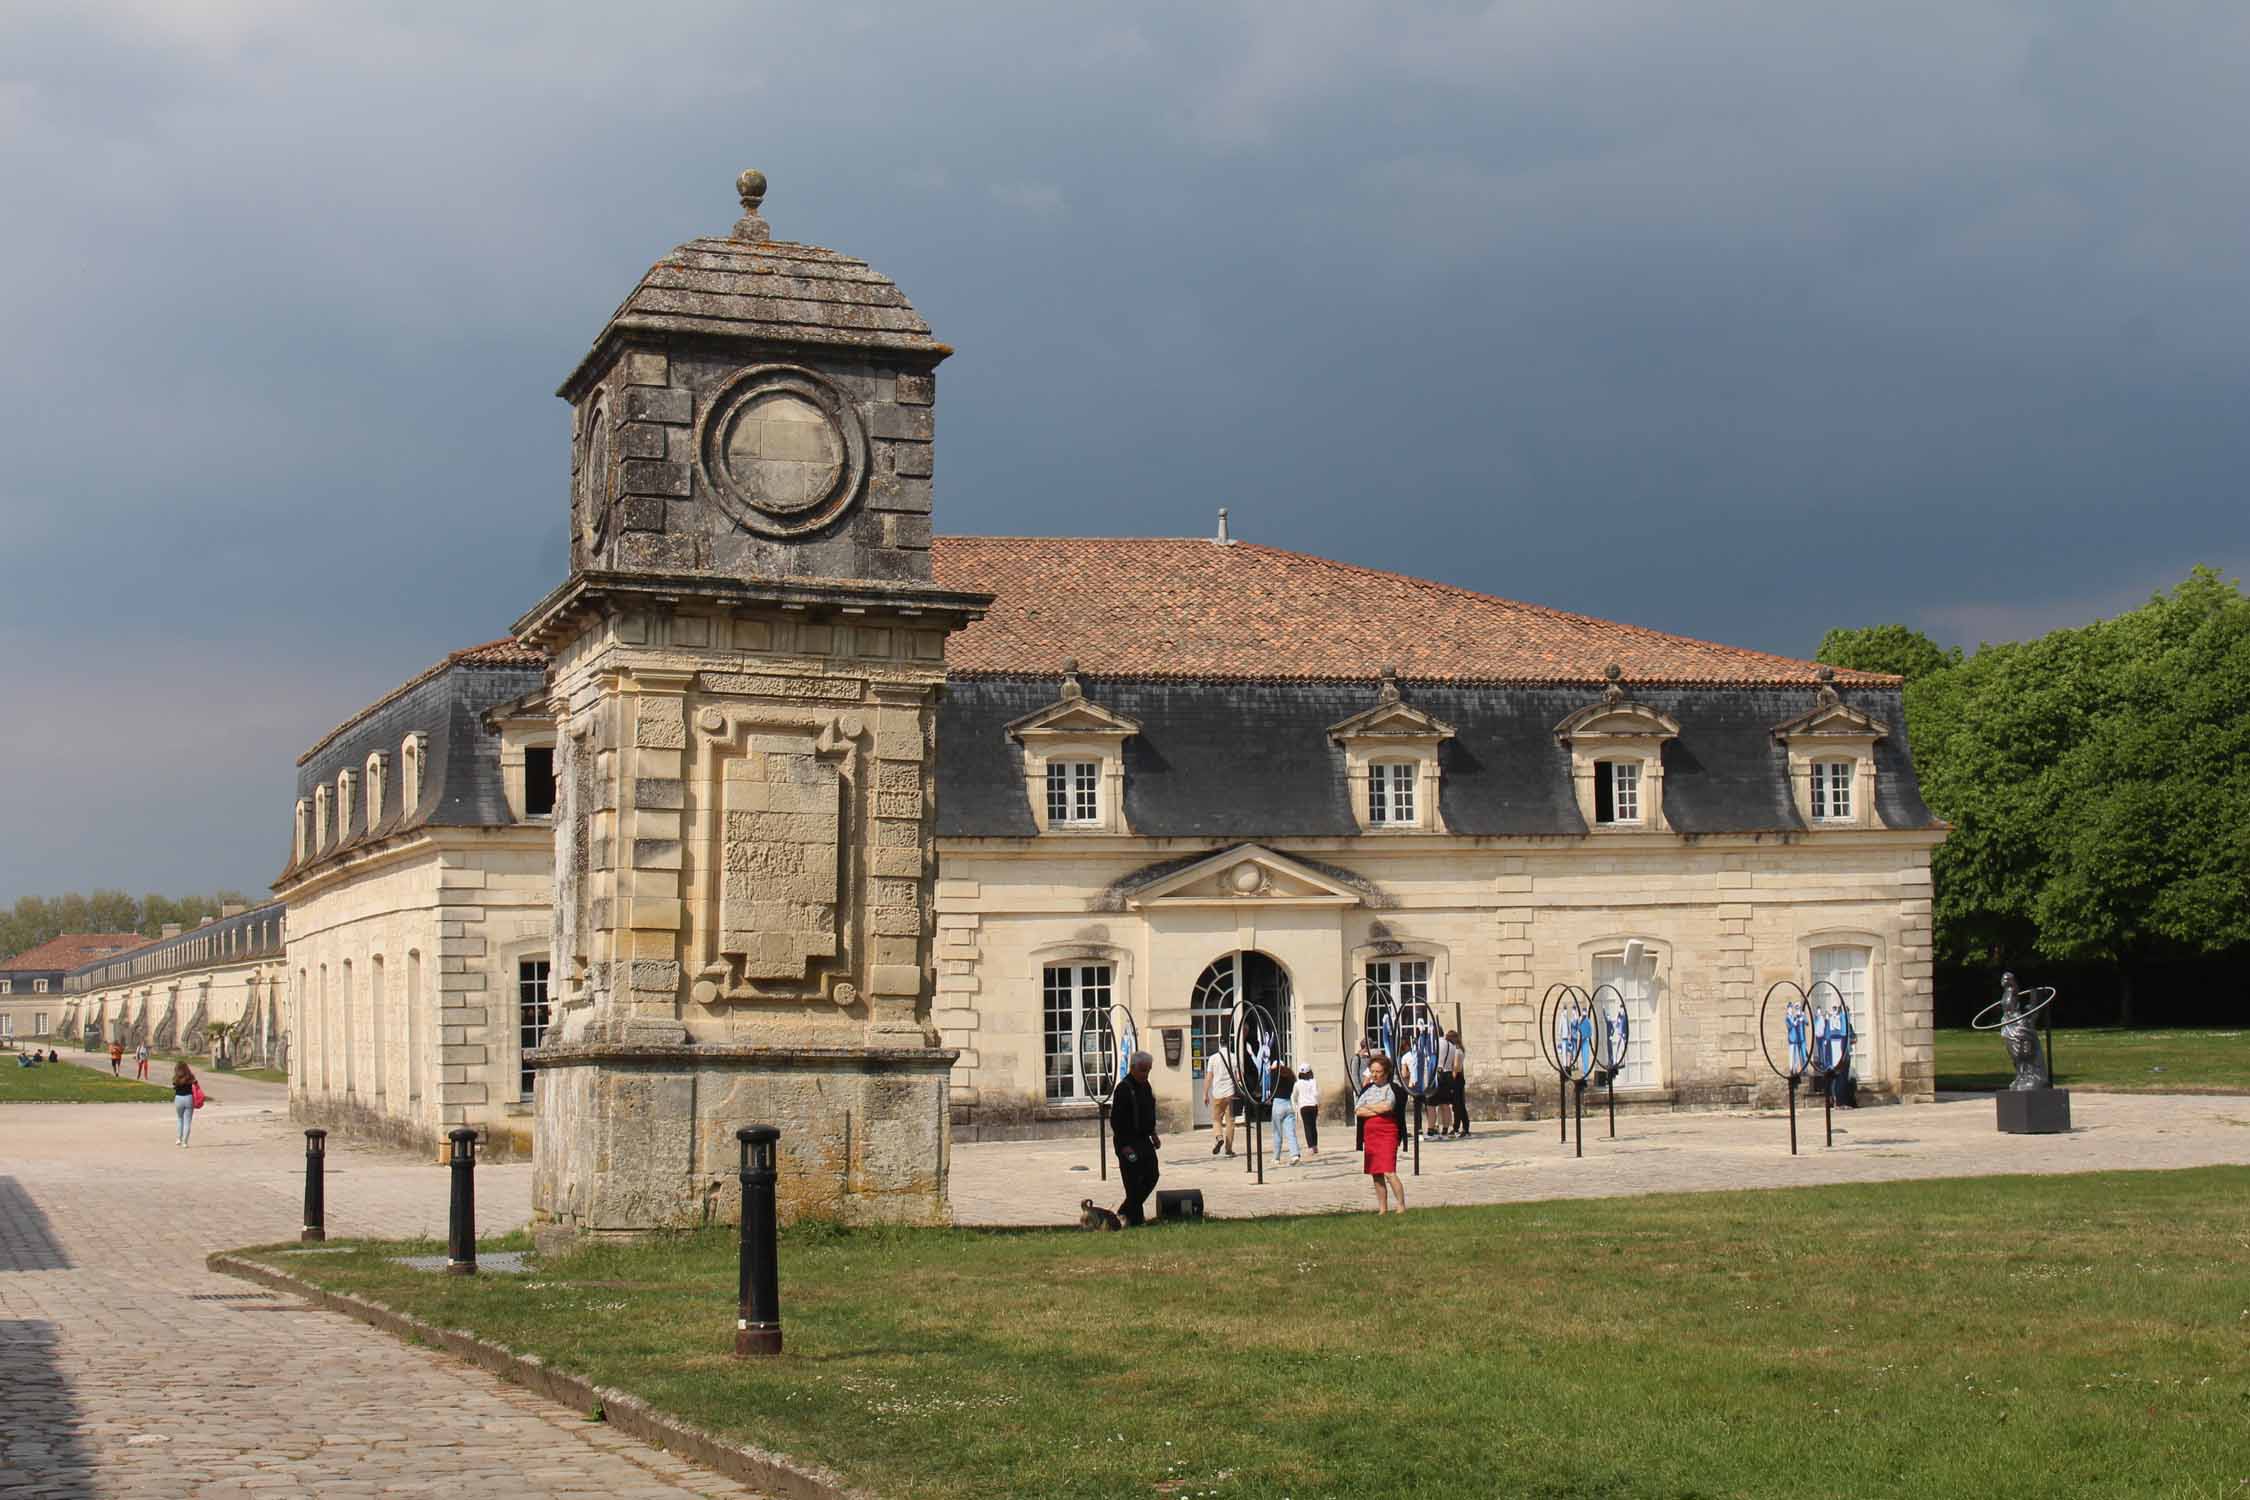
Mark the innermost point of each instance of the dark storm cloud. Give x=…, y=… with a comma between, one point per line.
x=1739, y=320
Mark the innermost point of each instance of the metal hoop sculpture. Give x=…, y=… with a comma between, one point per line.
x=1804, y=1044
x=1566, y=1039
x=1613, y=1034
x=2044, y=996
x=1253, y=1070
x=1105, y=1055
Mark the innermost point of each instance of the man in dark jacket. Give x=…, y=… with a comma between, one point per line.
x=1132, y=1127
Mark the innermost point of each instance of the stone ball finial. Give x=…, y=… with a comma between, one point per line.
x=751, y=188
x=1613, y=672
x=1826, y=674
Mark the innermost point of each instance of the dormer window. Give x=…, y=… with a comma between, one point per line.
x=539, y=781
x=1074, y=792
x=1617, y=760
x=1391, y=762
x=1390, y=792
x=304, y=829
x=344, y=789
x=1832, y=790
x=320, y=819
x=1617, y=791
x=1831, y=752
x=1074, y=762
x=410, y=774
x=375, y=780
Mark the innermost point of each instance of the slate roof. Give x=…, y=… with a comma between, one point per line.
x=505, y=652
x=70, y=949
x=1236, y=760
x=768, y=289
x=1191, y=608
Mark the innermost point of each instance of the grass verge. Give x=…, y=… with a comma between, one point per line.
x=61, y=1083
x=2112, y=1058
x=2032, y=1336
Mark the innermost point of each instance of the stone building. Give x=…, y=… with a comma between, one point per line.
x=185, y=990
x=34, y=983
x=795, y=878
x=419, y=886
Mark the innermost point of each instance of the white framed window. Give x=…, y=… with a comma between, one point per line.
x=1390, y=792
x=344, y=783
x=1832, y=790
x=1636, y=982
x=1845, y=966
x=7, y=986
x=39, y=986
x=39, y=1023
x=320, y=818
x=533, y=1012
x=1076, y=1000
x=1405, y=983
x=1617, y=791
x=410, y=773
x=374, y=771
x=1074, y=793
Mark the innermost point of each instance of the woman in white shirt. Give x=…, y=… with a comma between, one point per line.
x=1307, y=1100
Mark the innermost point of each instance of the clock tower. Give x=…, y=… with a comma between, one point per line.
x=746, y=661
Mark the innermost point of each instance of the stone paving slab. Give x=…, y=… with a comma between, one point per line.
x=127, y=1369
x=1042, y=1182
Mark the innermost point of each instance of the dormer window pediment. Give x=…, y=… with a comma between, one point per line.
x=1618, y=718
x=1832, y=720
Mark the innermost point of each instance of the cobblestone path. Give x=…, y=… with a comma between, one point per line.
x=126, y=1369
x=1042, y=1182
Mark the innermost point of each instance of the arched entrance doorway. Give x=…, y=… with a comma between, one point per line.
x=1245, y=975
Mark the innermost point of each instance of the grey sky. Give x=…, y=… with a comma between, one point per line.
x=1740, y=320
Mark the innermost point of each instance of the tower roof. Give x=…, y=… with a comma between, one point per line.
x=750, y=285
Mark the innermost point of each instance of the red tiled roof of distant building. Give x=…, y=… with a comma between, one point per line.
x=71, y=949
x=1188, y=607
x=504, y=652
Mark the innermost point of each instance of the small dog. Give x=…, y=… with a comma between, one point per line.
x=1092, y=1215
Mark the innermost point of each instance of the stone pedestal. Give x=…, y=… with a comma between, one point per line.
x=2034, y=1111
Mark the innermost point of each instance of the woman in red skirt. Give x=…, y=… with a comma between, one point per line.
x=1382, y=1104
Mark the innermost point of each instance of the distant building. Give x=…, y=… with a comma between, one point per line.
x=170, y=992
x=31, y=983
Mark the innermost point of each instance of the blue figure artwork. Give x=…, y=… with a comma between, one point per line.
x=1581, y=1040
x=1128, y=1043
x=1620, y=1033
x=1838, y=1041
x=1797, y=1024
x=1264, y=1064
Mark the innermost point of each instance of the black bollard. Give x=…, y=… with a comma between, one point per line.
x=1792, y=1114
x=757, y=1326
x=1562, y=1108
x=461, y=1230
x=1578, y=1097
x=316, y=1189
x=1417, y=1135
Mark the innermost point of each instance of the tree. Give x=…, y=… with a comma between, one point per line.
x=1899, y=649
x=2098, y=781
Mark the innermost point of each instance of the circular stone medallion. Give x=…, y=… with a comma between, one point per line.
x=783, y=451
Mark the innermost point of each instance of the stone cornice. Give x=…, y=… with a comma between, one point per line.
x=553, y=618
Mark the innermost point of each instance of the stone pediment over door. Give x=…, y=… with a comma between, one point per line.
x=1248, y=874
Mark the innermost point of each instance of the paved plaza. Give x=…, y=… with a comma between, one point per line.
x=1043, y=1182
x=126, y=1369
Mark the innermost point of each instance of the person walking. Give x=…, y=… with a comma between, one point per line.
x=1218, y=1093
x=116, y=1057
x=140, y=1062
x=1381, y=1106
x=1132, y=1128
x=1307, y=1100
x=1453, y=1065
x=1285, y=1136
x=187, y=1098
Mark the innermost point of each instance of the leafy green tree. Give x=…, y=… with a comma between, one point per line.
x=1900, y=649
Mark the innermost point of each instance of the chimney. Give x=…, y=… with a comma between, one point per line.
x=1222, y=538
x=171, y=929
x=207, y=921
x=233, y=909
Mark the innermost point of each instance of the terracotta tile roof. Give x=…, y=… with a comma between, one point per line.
x=1188, y=607
x=71, y=949
x=504, y=652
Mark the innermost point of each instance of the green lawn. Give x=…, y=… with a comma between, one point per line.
x=2030, y=1337
x=201, y=1064
x=64, y=1083
x=2107, y=1057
